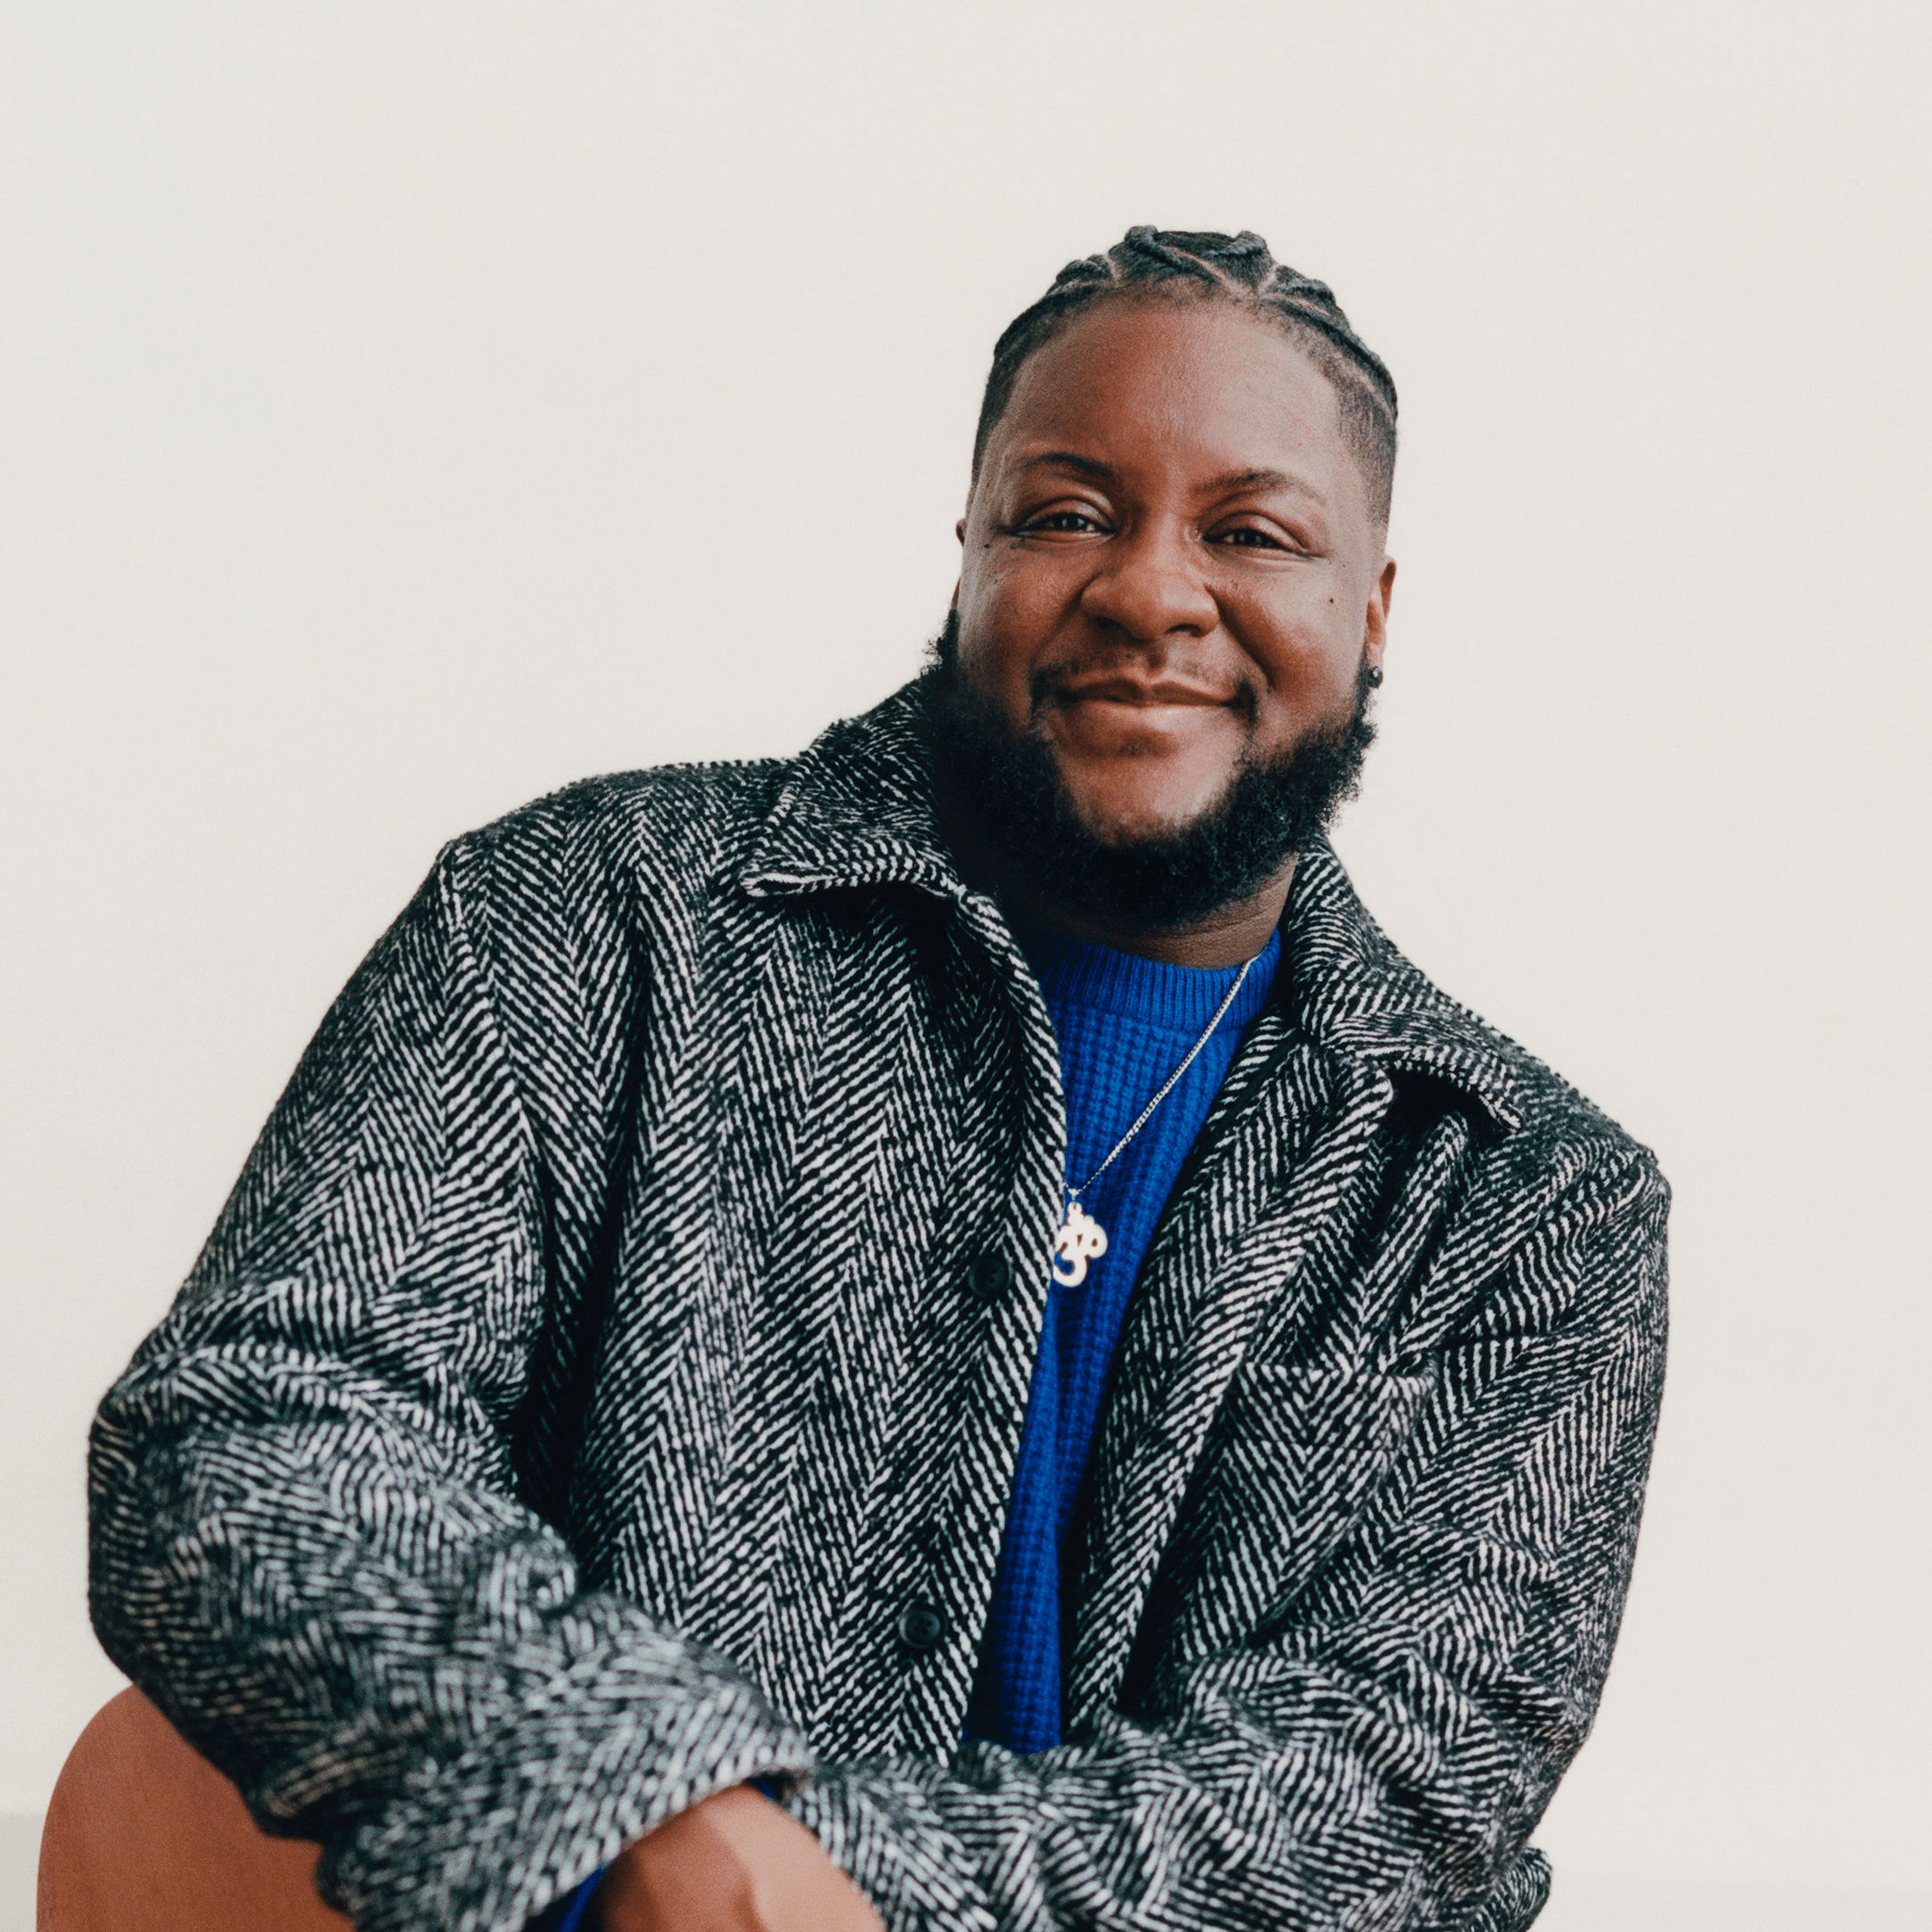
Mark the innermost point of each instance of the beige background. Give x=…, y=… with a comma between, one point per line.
x=407, y=408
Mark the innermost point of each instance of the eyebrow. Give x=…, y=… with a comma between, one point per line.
x=1223, y=484
x=1071, y=459
x=1265, y=480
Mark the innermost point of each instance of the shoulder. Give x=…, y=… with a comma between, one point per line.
x=1560, y=1131
x=1563, y=1150
x=669, y=834
x=667, y=812
x=1564, y=1206
x=1539, y=1136
x=1554, y=1211
x=566, y=906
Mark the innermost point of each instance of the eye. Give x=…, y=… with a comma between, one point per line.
x=1058, y=523
x=1247, y=537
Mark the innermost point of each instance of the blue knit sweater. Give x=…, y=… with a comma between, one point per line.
x=1125, y=1024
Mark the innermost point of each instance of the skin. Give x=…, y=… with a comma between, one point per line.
x=1170, y=562
x=734, y=1863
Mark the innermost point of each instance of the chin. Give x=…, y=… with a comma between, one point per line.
x=1142, y=807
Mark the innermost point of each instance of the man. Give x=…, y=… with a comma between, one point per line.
x=942, y=1333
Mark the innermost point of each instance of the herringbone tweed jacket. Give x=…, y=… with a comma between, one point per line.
x=627, y=1314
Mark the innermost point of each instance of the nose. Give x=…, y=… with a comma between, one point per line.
x=1151, y=587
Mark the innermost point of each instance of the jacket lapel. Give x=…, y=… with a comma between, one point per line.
x=1274, y=1196
x=1280, y=1197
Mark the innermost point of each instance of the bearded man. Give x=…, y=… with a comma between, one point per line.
x=941, y=1333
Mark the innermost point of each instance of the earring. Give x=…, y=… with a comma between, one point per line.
x=1373, y=673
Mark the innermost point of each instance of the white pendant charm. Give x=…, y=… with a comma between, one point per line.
x=1081, y=1239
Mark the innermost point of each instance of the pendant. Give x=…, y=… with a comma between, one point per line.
x=1081, y=1239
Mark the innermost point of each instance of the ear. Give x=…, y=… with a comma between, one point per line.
x=959, y=530
x=1375, y=629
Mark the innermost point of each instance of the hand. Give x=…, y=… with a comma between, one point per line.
x=734, y=1863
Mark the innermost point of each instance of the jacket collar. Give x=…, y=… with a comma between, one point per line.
x=1353, y=993
x=857, y=811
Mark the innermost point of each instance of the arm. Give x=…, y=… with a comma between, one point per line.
x=308, y=1545
x=1375, y=1750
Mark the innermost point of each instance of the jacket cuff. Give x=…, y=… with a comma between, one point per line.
x=486, y=1840
x=881, y=1828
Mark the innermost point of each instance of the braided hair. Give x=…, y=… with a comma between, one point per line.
x=1231, y=268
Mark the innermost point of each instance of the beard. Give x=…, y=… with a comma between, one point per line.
x=1172, y=879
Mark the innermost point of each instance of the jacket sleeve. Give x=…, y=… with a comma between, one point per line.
x=307, y=1541
x=1376, y=1750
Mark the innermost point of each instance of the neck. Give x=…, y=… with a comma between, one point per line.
x=1229, y=936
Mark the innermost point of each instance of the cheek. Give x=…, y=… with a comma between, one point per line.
x=1008, y=618
x=1305, y=649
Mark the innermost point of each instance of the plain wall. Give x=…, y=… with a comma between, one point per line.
x=405, y=409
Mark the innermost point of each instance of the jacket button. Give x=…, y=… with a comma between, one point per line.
x=921, y=1626
x=990, y=1277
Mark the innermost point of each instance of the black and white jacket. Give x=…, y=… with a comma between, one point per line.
x=626, y=1318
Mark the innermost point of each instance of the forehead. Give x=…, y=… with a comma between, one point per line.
x=1174, y=384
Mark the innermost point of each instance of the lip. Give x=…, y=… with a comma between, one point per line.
x=1111, y=717
x=1163, y=694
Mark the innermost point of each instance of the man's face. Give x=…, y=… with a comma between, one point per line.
x=1170, y=567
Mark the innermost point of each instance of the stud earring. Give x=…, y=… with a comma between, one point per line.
x=1373, y=673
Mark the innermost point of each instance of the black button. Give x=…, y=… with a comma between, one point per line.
x=921, y=1626
x=990, y=1277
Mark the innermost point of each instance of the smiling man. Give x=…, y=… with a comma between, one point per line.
x=1173, y=605
x=942, y=1333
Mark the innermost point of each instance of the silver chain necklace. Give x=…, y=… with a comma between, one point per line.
x=1081, y=1238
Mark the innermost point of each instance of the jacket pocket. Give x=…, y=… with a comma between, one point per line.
x=1305, y=1447
x=1296, y=1456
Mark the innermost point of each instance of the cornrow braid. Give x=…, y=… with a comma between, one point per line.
x=1234, y=268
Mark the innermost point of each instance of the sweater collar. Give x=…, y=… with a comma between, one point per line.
x=857, y=810
x=1147, y=992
